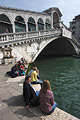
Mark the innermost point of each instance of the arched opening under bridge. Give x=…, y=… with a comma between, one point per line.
x=60, y=47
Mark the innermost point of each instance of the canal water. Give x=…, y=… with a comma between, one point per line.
x=64, y=76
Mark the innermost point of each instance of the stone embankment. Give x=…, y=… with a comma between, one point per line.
x=12, y=106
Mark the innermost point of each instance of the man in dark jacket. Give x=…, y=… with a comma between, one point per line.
x=29, y=93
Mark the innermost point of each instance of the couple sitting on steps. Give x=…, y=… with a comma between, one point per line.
x=44, y=97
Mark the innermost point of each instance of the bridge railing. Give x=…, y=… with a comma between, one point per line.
x=21, y=35
x=66, y=33
x=75, y=41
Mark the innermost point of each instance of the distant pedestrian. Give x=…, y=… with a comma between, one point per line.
x=6, y=30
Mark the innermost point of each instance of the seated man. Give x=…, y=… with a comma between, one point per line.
x=34, y=79
x=29, y=94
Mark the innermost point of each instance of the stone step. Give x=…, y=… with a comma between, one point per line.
x=58, y=114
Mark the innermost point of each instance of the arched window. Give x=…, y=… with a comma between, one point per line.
x=55, y=20
x=47, y=24
x=19, y=19
x=5, y=23
x=73, y=33
x=31, y=24
x=20, y=25
x=40, y=24
x=73, y=28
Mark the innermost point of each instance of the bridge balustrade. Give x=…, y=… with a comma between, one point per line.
x=14, y=36
x=75, y=41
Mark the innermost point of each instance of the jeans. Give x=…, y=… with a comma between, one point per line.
x=37, y=93
x=37, y=82
x=54, y=106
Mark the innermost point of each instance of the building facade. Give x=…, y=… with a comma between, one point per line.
x=75, y=27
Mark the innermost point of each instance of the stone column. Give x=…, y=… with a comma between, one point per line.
x=52, y=20
x=27, y=27
x=36, y=26
x=44, y=27
x=13, y=26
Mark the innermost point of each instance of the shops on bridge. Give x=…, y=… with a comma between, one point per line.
x=16, y=20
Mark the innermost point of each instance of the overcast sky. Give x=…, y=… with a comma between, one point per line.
x=68, y=8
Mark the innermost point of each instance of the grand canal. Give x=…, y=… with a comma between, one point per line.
x=64, y=76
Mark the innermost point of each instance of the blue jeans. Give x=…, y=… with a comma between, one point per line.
x=37, y=93
x=54, y=106
x=37, y=82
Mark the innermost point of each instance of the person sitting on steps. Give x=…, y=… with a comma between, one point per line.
x=34, y=78
x=47, y=103
x=31, y=97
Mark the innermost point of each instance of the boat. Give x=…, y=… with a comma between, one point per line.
x=76, y=56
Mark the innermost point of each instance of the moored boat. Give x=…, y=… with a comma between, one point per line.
x=76, y=56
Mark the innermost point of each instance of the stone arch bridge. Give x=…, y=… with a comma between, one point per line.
x=31, y=44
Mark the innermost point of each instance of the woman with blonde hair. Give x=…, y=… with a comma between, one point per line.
x=47, y=103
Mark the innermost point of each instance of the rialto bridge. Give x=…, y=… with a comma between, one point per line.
x=42, y=34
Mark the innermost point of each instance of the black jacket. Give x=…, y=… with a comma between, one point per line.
x=28, y=93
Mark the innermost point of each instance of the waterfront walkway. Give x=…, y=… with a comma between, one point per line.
x=12, y=106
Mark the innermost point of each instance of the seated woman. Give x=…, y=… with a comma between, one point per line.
x=36, y=71
x=21, y=69
x=34, y=79
x=14, y=71
x=47, y=103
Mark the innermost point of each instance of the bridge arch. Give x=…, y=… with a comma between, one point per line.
x=57, y=46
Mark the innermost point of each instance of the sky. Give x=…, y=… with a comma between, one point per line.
x=68, y=8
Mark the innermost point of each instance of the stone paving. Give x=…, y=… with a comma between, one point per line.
x=11, y=101
x=12, y=106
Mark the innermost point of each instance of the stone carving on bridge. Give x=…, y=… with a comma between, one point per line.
x=39, y=42
x=7, y=53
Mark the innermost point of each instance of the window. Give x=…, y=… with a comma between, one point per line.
x=19, y=19
x=47, y=24
x=73, y=28
x=31, y=24
x=4, y=18
x=40, y=24
x=5, y=23
x=20, y=24
x=73, y=33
